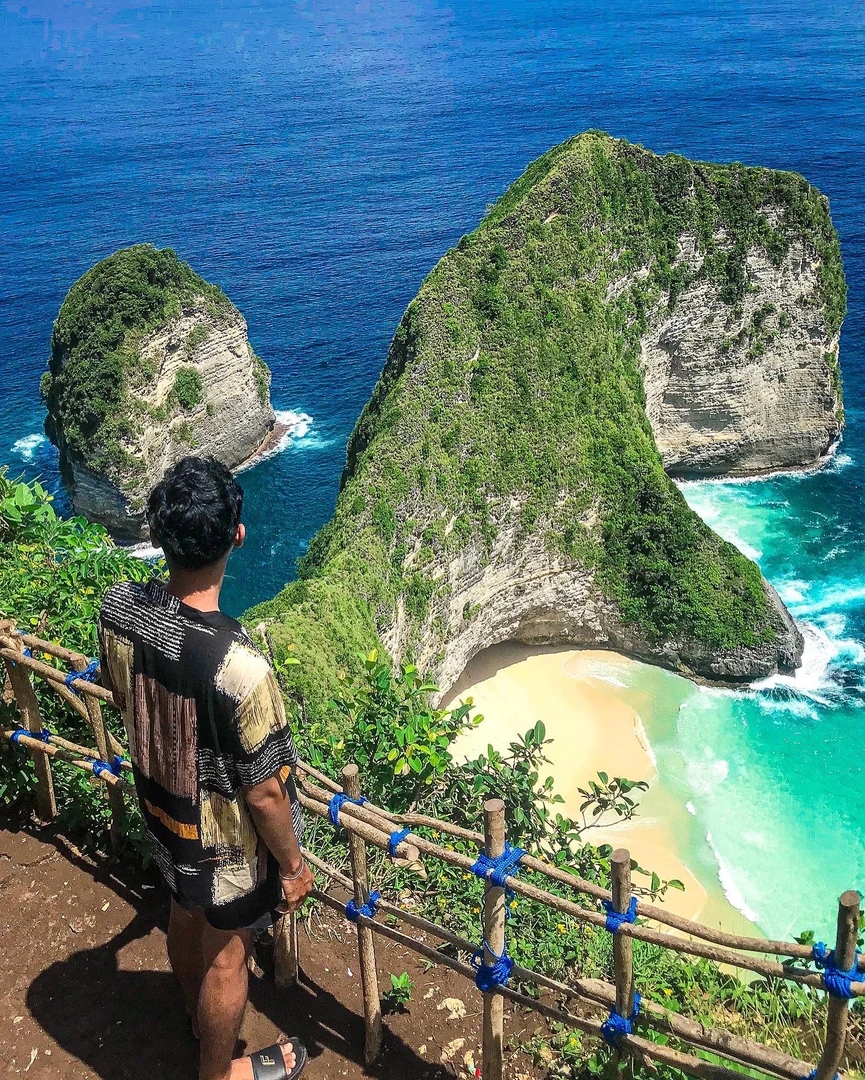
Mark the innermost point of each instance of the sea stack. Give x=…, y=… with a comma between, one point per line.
x=616, y=315
x=149, y=363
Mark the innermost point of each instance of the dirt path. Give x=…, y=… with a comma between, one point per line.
x=85, y=990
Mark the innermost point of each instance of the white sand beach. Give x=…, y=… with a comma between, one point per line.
x=580, y=697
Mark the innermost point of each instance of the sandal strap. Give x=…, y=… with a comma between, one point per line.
x=269, y=1064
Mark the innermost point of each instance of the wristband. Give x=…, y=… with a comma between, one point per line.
x=292, y=877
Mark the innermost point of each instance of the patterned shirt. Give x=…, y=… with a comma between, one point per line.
x=204, y=717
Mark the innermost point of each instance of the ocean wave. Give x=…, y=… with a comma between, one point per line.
x=297, y=434
x=728, y=883
x=28, y=447
x=811, y=677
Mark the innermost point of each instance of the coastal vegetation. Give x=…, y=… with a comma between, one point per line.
x=381, y=709
x=512, y=407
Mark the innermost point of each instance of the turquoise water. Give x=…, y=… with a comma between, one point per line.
x=315, y=158
x=771, y=775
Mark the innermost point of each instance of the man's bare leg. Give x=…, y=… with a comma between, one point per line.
x=185, y=929
x=222, y=999
x=221, y=1004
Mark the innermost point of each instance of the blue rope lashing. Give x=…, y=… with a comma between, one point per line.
x=100, y=767
x=88, y=674
x=337, y=803
x=616, y=1026
x=489, y=976
x=27, y=652
x=500, y=868
x=353, y=912
x=616, y=918
x=837, y=981
x=396, y=838
x=812, y=1075
x=44, y=735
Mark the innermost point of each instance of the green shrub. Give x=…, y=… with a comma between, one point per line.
x=188, y=389
x=53, y=575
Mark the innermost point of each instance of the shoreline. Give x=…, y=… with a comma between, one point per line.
x=584, y=699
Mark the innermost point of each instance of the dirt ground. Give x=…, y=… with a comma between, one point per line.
x=86, y=993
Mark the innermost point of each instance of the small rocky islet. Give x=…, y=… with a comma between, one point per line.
x=149, y=362
x=618, y=318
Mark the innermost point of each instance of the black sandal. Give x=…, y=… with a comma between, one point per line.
x=269, y=1064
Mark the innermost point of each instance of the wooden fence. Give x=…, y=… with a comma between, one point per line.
x=366, y=825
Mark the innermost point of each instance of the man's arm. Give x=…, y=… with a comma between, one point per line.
x=270, y=809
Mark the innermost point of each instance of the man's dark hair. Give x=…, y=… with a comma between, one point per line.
x=193, y=512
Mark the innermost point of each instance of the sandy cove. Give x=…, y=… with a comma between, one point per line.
x=575, y=694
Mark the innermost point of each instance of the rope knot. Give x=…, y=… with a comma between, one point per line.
x=88, y=674
x=837, y=981
x=489, y=976
x=102, y=767
x=500, y=868
x=395, y=839
x=616, y=1026
x=336, y=804
x=616, y=918
x=369, y=909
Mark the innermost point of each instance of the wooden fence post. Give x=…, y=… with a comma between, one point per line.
x=31, y=718
x=104, y=747
x=623, y=956
x=285, y=959
x=494, y=943
x=365, y=940
x=839, y=1008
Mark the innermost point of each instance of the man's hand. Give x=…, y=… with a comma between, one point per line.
x=295, y=889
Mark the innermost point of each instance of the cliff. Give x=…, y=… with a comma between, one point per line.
x=614, y=313
x=149, y=362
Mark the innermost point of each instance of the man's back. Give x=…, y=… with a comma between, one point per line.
x=204, y=717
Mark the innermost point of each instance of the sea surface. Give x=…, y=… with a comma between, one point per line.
x=315, y=158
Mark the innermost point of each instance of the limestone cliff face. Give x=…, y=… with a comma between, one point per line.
x=522, y=591
x=191, y=383
x=744, y=388
x=616, y=317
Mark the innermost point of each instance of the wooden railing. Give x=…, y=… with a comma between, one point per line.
x=366, y=825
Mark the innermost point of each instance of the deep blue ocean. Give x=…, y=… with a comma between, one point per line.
x=316, y=159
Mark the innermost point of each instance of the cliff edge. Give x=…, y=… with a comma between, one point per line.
x=149, y=362
x=615, y=312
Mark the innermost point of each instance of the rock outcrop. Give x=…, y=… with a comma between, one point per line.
x=615, y=313
x=746, y=388
x=179, y=377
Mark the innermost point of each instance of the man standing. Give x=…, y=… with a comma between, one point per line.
x=212, y=755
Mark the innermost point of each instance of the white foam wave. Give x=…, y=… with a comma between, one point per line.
x=643, y=739
x=793, y=592
x=728, y=884
x=832, y=461
x=824, y=647
x=692, y=810
x=297, y=425
x=297, y=431
x=613, y=680
x=144, y=551
x=811, y=677
x=833, y=599
x=28, y=447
